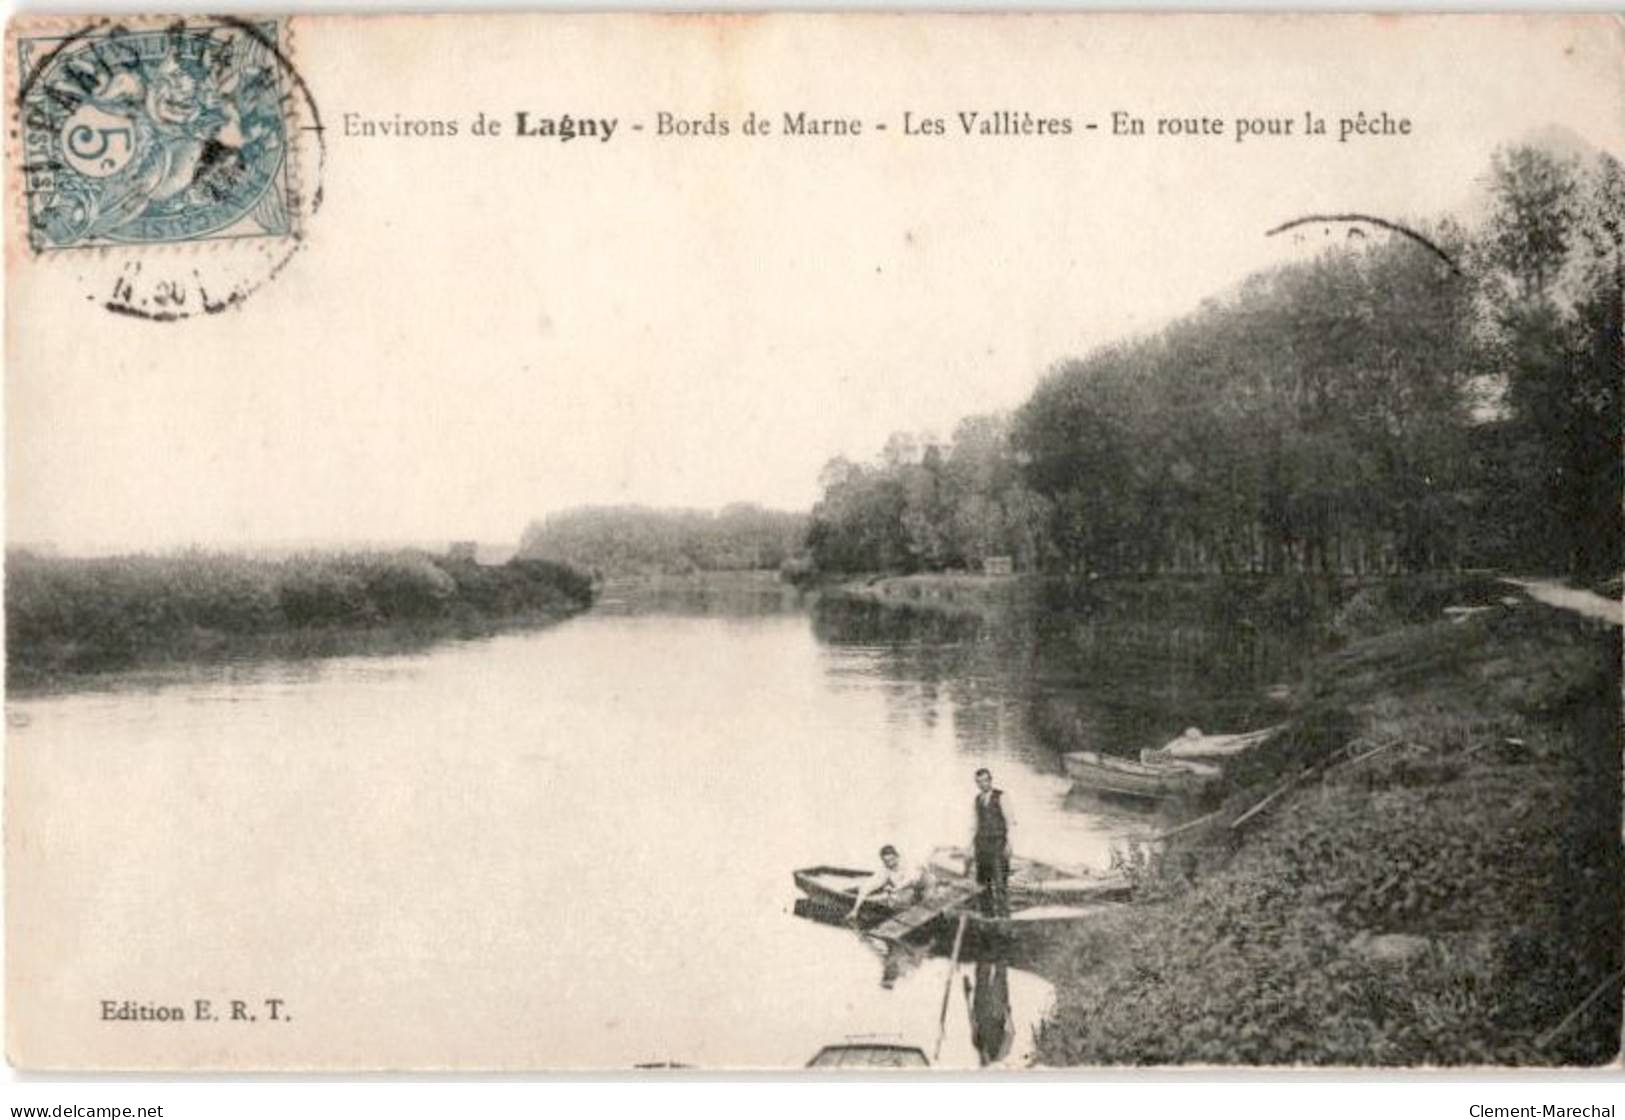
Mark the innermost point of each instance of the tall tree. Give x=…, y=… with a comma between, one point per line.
x=1552, y=264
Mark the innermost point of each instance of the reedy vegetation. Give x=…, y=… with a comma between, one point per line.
x=68, y=616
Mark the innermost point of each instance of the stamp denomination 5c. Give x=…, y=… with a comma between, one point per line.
x=169, y=134
x=173, y=162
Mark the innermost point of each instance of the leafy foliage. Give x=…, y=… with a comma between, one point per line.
x=1486, y=864
x=926, y=506
x=1376, y=410
x=1553, y=262
x=1310, y=423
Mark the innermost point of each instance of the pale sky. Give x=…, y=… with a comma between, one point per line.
x=482, y=331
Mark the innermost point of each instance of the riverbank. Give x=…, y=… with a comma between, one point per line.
x=1443, y=889
x=949, y=593
x=1325, y=607
x=71, y=621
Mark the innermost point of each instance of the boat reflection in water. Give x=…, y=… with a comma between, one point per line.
x=896, y=961
x=986, y=991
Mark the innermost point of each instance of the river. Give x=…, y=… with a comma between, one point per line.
x=559, y=848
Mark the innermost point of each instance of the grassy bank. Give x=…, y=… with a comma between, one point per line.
x=1339, y=606
x=1444, y=890
x=70, y=619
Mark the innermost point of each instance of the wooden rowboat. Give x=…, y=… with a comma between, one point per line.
x=835, y=889
x=1173, y=778
x=1027, y=933
x=1032, y=883
x=1044, y=900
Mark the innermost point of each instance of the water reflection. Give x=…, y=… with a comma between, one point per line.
x=736, y=595
x=574, y=819
x=986, y=992
x=992, y=1026
x=1058, y=671
x=896, y=961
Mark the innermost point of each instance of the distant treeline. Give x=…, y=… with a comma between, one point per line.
x=85, y=615
x=634, y=540
x=931, y=506
x=1393, y=405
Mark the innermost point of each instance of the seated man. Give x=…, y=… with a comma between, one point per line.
x=896, y=882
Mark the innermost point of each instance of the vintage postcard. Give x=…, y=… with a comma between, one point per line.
x=748, y=542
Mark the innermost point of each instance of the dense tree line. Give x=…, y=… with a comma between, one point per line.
x=930, y=505
x=630, y=540
x=1396, y=404
x=73, y=615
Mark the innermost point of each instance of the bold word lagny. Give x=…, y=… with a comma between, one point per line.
x=565, y=128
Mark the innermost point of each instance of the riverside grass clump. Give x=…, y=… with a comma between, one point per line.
x=1447, y=900
x=69, y=617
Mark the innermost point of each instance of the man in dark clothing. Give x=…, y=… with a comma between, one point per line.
x=990, y=846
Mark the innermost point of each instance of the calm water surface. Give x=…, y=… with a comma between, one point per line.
x=559, y=848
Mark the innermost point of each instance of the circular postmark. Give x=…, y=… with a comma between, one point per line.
x=175, y=164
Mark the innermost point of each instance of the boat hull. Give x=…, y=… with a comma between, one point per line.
x=1089, y=770
x=1032, y=883
x=832, y=890
x=1045, y=902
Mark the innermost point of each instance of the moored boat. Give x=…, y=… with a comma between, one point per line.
x=1195, y=745
x=836, y=888
x=1173, y=778
x=1032, y=883
x=1045, y=900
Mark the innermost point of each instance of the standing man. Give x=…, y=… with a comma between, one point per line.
x=990, y=846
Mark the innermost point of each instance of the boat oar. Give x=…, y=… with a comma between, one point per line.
x=948, y=988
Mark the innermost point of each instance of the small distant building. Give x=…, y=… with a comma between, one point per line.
x=998, y=566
